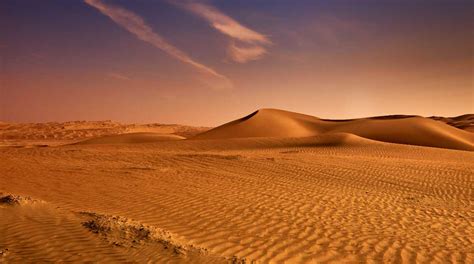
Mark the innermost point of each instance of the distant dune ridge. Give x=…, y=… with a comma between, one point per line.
x=465, y=122
x=59, y=133
x=441, y=132
x=412, y=130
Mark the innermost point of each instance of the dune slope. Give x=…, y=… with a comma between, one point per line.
x=410, y=130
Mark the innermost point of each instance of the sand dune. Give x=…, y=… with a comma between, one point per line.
x=60, y=133
x=394, y=129
x=272, y=187
x=131, y=138
x=266, y=123
x=465, y=122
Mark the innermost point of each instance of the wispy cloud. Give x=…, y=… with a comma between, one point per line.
x=137, y=26
x=255, y=42
x=244, y=54
x=118, y=76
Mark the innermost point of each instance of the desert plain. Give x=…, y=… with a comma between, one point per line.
x=271, y=187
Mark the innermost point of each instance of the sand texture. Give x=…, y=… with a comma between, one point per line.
x=273, y=187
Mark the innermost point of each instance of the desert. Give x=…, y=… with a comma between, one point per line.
x=271, y=187
x=237, y=131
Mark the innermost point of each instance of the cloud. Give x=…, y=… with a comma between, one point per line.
x=137, y=26
x=245, y=54
x=224, y=23
x=118, y=76
x=254, y=41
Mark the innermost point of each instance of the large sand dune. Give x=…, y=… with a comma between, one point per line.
x=396, y=129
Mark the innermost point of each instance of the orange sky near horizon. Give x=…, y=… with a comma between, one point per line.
x=209, y=62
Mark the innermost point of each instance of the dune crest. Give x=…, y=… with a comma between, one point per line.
x=266, y=123
x=412, y=130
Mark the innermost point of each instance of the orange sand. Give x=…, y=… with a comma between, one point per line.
x=274, y=187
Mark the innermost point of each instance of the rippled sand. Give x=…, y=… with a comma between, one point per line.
x=320, y=199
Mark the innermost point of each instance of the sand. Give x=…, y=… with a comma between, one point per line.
x=465, y=122
x=318, y=192
x=130, y=138
x=406, y=130
x=61, y=133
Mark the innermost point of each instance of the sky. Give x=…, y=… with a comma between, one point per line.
x=209, y=62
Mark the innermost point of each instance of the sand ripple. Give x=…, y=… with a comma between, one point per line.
x=276, y=201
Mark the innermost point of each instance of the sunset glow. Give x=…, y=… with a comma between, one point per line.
x=206, y=62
